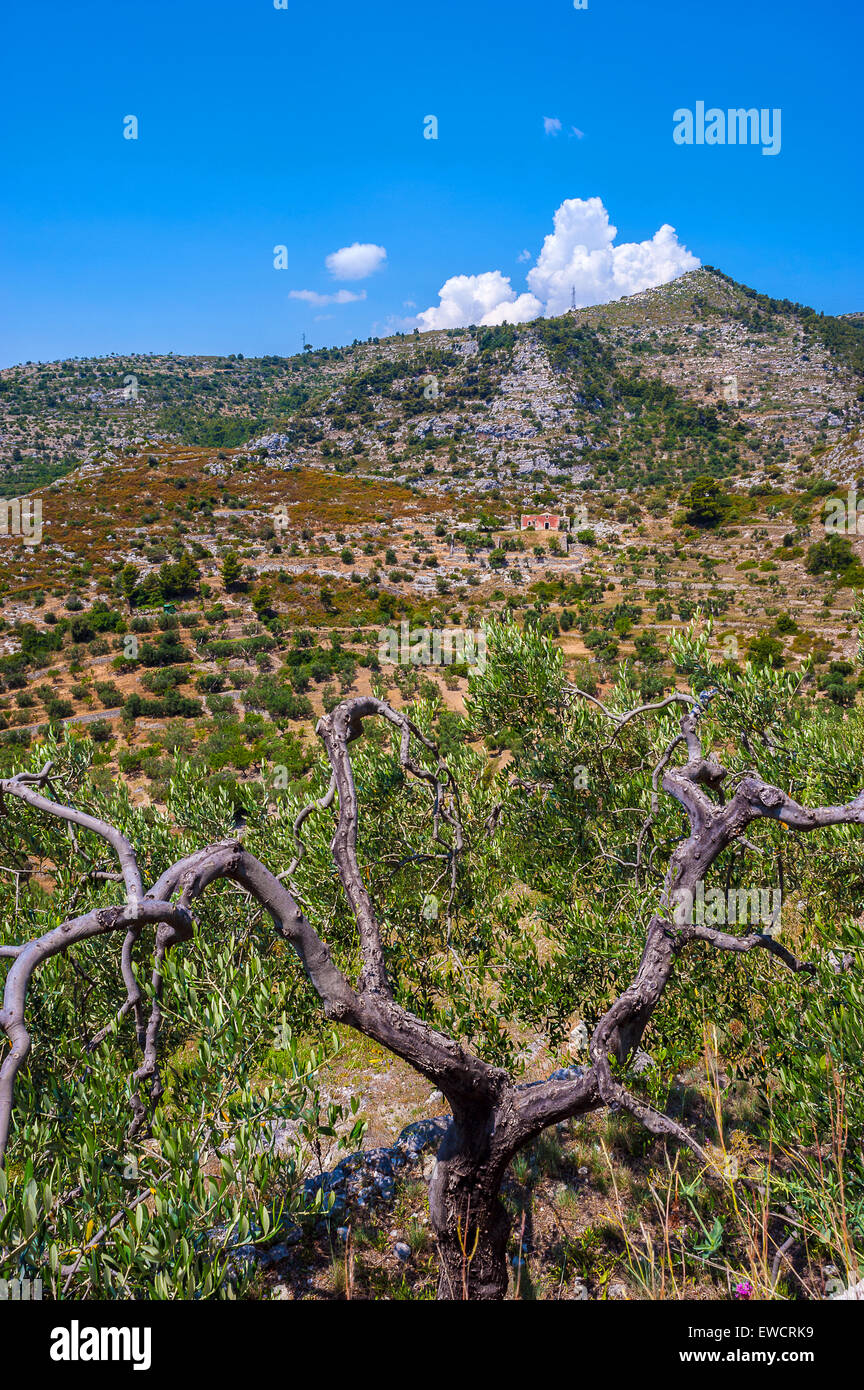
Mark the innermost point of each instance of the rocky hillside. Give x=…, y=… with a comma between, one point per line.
x=221, y=540
x=701, y=375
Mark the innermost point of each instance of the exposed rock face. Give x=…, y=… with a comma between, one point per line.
x=532, y=384
x=368, y=1177
x=272, y=443
x=504, y=408
x=532, y=399
x=358, y=1183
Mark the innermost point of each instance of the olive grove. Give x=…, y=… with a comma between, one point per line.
x=130, y=936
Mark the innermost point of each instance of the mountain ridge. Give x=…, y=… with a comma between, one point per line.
x=798, y=379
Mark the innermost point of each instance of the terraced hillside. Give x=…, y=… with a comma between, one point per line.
x=288, y=509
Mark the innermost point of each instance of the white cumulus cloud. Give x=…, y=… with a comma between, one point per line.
x=580, y=253
x=484, y=299
x=356, y=261
x=551, y=125
x=340, y=297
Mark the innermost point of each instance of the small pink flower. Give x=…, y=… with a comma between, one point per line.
x=744, y=1289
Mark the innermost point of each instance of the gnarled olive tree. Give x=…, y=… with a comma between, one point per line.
x=493, y=1116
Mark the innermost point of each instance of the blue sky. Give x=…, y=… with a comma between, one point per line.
x=303, y=127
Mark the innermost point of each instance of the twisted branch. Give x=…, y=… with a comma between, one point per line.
x=370, y=1008
x=492, y=1117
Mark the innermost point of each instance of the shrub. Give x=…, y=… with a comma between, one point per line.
x=705, y=503
x=766, y=651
